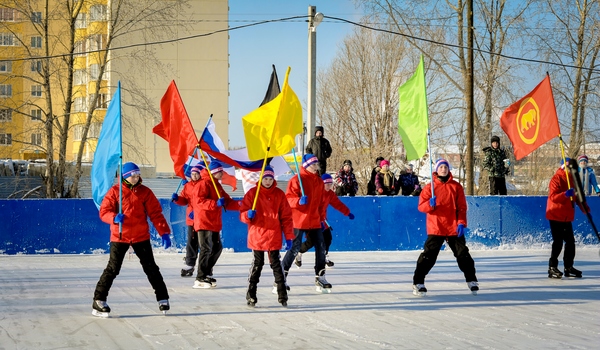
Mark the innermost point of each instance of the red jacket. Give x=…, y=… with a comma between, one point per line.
x=560, y=207
x=186, y=197
x=139, y=204
x=273, y=216
x=306, y=216
x=207, y=215
x=329, y=197
x=450, y=209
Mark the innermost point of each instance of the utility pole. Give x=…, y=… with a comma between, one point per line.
x=470, y=102
x=314, y=19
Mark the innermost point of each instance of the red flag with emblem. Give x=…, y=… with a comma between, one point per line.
x=531, y=121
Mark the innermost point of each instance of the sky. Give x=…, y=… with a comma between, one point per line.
x=253, y=50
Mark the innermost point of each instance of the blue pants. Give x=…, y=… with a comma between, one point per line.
x=316, y=237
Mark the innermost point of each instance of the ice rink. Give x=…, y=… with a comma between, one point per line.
x=45, y=303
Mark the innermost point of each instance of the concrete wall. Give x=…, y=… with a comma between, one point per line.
x=72, y=226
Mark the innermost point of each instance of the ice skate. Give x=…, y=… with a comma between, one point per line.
x=187, y=271
x=203, y=283
x=213, y=281
x=287, y=287
x=419, y=290
x=322, y=286
x=298, y=260
x=251, y=298
x=163, y=305
x=474, y=287
x=100, y=308
x=283, y=303
x=328, y=263
x=572, y=272
x=553, y=272
x=251, y=302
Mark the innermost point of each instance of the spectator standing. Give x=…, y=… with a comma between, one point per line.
x=371, y=189
x=385, y=180
x=497, y=164
x=588, y=177
x=320, y=147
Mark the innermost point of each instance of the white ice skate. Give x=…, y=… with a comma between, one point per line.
x=163, y=305
x=100, y=308
x=204, y=283
x=474, y=287
x=419, y=290
x=298, y=260
x=322, y=286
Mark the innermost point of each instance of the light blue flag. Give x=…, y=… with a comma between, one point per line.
x=108, y=150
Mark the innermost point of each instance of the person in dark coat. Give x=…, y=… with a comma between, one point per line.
x=371, y=188
x=320, y=147
x=345, y=181
x=497, y=164
x=409, y=182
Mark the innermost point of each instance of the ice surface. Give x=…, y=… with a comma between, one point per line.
x=45, y=303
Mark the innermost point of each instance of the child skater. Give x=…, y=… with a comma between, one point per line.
x=207, y=209
x=330, y=197
x=185, y=198
x=306, y=212
x=138, y=204
x=271, y=216
x=446, y=222
x=560, y=212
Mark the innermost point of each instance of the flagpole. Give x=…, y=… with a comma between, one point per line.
x=188, y=164
x=298, y=171
x=560, y=140
x=212, y=179
x=428, y=131
x=120, y=162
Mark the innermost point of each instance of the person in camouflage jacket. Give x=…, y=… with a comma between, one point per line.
x=497, y=164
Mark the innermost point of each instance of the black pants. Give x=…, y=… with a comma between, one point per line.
x=258, y=260
x=432, y=247
x=316, y=236
x=497, y=186
x=322, y=167
x=210, y=251
x=562, y=232
x=309, y=244
x=191, y=249
x=143, y=250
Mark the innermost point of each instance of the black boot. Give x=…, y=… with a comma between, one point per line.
x=553, y=272
x=572, y=272
x=251, y=295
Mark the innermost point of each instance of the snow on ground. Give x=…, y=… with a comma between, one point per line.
x=45, y=303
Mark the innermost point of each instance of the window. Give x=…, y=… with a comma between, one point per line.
x=5, y=66
x=36, y=139
x=8, y=39
x=94, y=131
x=5, y=139
x=5, y=115
x=36, y=42
x=36, y=17
x=79, y=105
x=5, y=90
x=97, y=42
x=36, y=66
x=36, y=114
x=102, y=101
x=7, y=15
x=80, y=48
x=80, y=22
x=80, y=77
x=36, y=90
x=94, y=71
x=98, y=13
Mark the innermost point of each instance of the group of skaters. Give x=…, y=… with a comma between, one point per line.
x=298, y=213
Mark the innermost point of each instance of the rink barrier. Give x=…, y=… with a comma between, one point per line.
x=72, y=226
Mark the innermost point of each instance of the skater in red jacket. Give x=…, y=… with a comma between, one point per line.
x=271, y=216
x=130, y=228
x=446, y=222
x=185, y=198
x=329, y=198
x=207, y=212
x=560, y=212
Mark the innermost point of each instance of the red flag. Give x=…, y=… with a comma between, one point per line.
x=531, y=121
x=176, y=128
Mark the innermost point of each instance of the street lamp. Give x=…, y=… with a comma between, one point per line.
x=314, y=19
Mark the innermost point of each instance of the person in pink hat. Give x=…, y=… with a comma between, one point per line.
x=385, y=180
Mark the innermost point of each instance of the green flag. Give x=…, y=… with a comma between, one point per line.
x=413, y=122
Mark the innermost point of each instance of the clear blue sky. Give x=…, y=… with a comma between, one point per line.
x=253, y=50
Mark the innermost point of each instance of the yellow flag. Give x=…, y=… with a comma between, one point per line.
x=274, y=125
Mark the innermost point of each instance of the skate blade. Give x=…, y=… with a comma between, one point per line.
x=555, y=276
x=474, y=292
x=573, y=276
x=203, y=286
x=419, y=294
x=100, y=314
x=323, y=290
x=251, y=305
x=164, y=312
